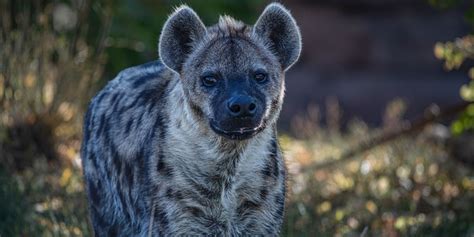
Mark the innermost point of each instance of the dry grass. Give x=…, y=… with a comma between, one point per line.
x=408, y=187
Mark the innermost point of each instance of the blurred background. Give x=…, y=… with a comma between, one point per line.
x=377, y=126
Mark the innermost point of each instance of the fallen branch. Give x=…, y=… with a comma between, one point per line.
x=433, y=114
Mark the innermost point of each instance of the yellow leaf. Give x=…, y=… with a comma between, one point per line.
x=65, y=177
x=371, y=207
x=324, y=207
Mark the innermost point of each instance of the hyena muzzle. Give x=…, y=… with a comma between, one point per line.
x=188, y=145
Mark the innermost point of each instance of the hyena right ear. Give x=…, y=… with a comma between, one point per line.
x=278, y=30
x=180, y=34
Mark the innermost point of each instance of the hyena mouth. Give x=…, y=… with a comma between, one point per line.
x=241, y=134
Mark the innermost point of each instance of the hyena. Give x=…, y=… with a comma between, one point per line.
x=188, y=145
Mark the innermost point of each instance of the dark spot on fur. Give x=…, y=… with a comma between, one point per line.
x=140, y=210
x=212, y=223
x=161, y=164
x=226, y=167
x=105, y=129
x=174, y=194
x=141, y=155
x=94, y=160
x=163, y=168
x=128, y=126
x=280, y=202
x=169, y=193
x=178, y=123
x=129, y=175
x=142, y=79
x=274, y=105
x=274, y=157
x=117, y=162
x=248, y=206
x=98, y=220
x=227, y=185
x=87, y=124
x=115, y=101
x=114, y=152
x=196, y=109
x=250, y=226
x=194, y=211
x=162, y=218
x=178, y=195
x=160, y=123
x=207, y=192
x=270, y=230
x=113, y=230
x=267, y=170
x=102, y=124
x=271, y=168
x=148, y=96
x=151, y=96
x=139, y=121
x=131, y=105
x=100, y=97
x=151, y=106
x=122, y=201
x=204, y=191
x=93, y=192
x=263, y=194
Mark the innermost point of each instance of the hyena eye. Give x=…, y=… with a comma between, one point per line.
x=260, y=77
x=209, y=80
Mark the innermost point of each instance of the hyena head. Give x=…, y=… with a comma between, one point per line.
x=232, y=74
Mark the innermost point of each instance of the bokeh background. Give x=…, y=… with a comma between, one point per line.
x=377, y=125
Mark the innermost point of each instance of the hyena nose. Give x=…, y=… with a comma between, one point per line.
x=241, y=106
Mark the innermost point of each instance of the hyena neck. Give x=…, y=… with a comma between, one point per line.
x=196, y=145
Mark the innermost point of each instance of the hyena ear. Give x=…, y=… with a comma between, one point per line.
x=278, y=30
x=180, y=34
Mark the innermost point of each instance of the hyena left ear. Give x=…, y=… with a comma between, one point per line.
x=278, y=29
x=180, y=34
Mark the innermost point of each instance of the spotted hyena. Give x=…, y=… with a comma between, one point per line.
x=188, y=145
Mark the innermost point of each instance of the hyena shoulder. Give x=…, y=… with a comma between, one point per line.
x=126, y=107
x=120, y=119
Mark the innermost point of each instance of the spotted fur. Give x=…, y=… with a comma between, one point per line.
x=152, y=164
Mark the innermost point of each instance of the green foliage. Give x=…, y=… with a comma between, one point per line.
x=408, y=187
x=48, y=72
x=454, y=54
x=444, y=4
x=470, y=15
x=12, y=206
x=465, y=121
x=43, y=200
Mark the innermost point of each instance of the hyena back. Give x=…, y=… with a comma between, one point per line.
x=188, y=145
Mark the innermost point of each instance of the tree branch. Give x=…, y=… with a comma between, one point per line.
x=433, y=114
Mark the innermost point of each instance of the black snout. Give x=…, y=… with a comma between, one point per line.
x=241, y=106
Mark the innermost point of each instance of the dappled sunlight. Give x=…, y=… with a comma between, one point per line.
x=406, y=187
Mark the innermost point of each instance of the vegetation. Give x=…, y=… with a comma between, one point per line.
x=455, y=53
x=408, y=187
x=54, y=56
